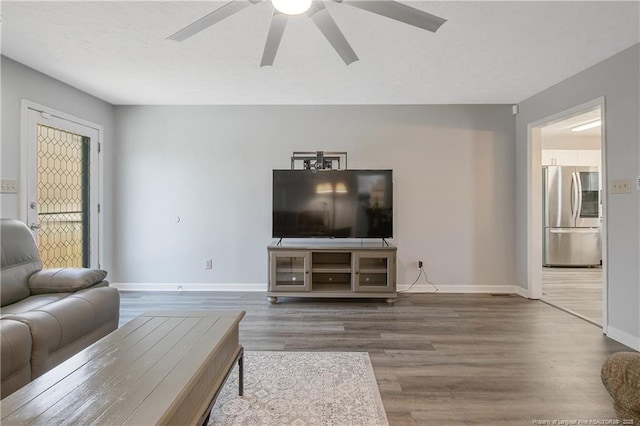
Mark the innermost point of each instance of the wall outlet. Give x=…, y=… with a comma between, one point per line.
x=9, y=186
x=208, y=264
x=638, y=183
x=419, y=264
x=621, y=186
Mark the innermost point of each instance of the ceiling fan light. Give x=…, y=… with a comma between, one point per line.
x=291, y=7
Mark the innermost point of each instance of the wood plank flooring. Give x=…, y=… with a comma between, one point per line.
x=439, y=359
x=577, y=290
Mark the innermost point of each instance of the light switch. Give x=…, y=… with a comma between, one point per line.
x=9, y=186
x=621, y=186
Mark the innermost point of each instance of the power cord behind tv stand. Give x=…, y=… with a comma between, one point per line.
x=426, y=278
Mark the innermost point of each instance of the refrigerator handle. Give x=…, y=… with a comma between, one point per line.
x=574, y=195
x=579, y=192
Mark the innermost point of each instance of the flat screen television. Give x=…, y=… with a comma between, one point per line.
x=332, y=203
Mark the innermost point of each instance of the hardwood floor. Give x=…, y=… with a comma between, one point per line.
x=576, y=290
x=439, y=359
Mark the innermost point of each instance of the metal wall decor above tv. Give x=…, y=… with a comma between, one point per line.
x=317, y=160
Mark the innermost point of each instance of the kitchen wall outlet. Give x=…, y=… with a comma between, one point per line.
x=621, y=186
x=9, y=186
x=419, y=264
x=208, y=264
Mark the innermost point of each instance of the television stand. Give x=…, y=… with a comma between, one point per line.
x=332, y=270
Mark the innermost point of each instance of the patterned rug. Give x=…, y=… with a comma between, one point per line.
x=302, y=388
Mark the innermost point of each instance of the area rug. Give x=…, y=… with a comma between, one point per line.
x=302, y=388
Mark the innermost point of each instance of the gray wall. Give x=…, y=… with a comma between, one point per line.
x=617, y=79
x=453, y=176
x=20, y=82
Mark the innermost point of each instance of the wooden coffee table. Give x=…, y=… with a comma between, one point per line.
x=164, y=367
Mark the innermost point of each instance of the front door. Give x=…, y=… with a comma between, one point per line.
x=62, y=187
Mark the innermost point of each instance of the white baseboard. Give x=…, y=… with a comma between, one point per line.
x=420, y=288
x=623, y=337
x=190, y=286
x=494, y=289
x=521, y=291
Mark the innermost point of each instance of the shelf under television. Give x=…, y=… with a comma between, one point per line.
x=331, y=287
x=332, y=268
x=373, y=270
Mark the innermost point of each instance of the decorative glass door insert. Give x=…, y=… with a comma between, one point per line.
x=63, y=197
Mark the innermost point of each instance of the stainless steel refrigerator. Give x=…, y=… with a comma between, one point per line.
x=571, y=216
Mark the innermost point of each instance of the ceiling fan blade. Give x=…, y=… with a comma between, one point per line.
x=210, y=19
x=276, y=29
x=320, y=16
x=400, y=12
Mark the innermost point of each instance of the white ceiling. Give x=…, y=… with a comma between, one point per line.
x=487, y=52
x=559, y=136
x=563, y=127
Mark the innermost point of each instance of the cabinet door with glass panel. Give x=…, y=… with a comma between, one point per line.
x=289, y=271
x=374, y=271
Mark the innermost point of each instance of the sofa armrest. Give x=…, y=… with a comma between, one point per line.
x=15, y=348
x=65, y=280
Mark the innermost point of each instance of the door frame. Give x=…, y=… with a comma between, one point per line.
x=23, y=198
x=534, y=201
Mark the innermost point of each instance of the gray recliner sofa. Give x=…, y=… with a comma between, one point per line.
x=46, y=315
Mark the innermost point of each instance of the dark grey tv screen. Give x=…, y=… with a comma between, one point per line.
x=332, y=203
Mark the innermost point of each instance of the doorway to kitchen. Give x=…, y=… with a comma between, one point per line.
x=571, y=159
x=568, y=212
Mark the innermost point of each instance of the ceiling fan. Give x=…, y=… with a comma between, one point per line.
x=319, y=14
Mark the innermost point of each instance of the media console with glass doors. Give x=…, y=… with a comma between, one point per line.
x=346, y=270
